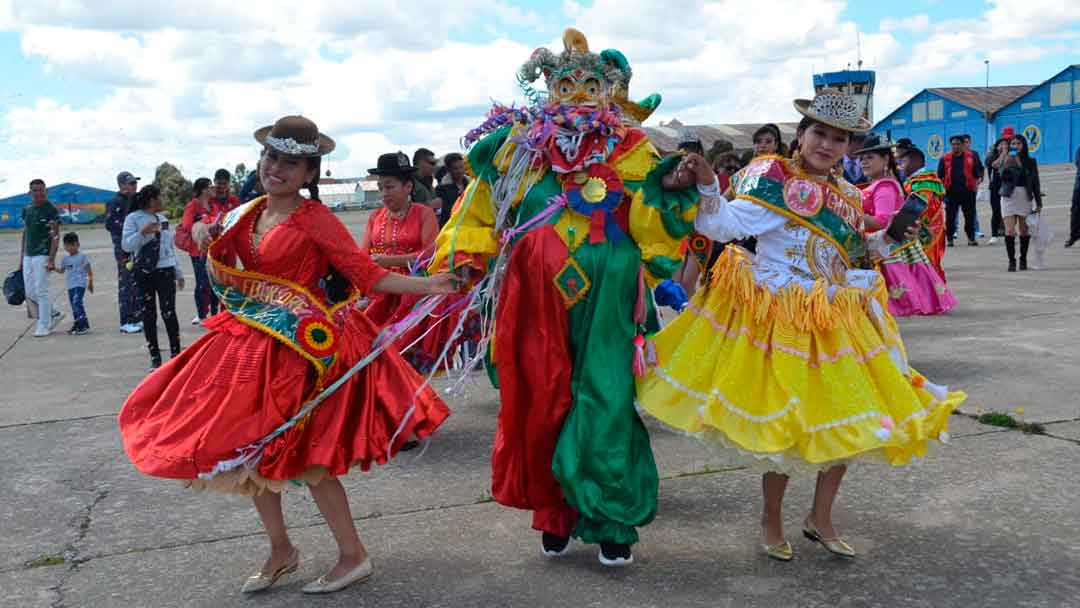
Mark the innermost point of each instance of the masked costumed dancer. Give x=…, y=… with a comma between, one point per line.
x=400, y=237
x=285, y=386
x=914, y=285
x=790, y=358
x=572, y=217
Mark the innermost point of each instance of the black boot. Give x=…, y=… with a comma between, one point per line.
x=1024, y=242
x=155, y=359
x=1010, y=248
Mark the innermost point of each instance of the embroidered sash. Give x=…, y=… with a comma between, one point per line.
x=274, y=305
x=775, y=183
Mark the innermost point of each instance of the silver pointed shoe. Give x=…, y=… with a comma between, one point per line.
x=358, y=574
x=260, y=580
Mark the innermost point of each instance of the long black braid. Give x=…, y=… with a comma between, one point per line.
x=335, y=285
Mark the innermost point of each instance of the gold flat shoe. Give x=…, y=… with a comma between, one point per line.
x=358, y=574
x=261, y=580
x=837, y=546
x=781, y=551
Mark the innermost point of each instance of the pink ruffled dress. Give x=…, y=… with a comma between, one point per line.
x=915, y=287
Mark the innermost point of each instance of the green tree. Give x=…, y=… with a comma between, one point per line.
x=176, y=190
x=239, y=176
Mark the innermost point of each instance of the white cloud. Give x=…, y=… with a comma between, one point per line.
x=189, y=82
x=104, y=57
x=915, y=23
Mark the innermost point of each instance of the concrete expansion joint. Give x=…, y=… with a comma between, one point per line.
x=19, y=337
x=55, y=421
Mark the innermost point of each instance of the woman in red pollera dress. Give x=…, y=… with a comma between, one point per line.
x=399, y=235
x=237, y=411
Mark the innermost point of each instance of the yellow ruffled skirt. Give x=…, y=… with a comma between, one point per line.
x=792, y=380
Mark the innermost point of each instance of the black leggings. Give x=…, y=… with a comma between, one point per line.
x=163, y=284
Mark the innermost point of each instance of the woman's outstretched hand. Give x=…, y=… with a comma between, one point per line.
x=444, y=283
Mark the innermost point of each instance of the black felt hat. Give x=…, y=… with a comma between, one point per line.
x=905, y=146
x=393, y=163
x=875, y=143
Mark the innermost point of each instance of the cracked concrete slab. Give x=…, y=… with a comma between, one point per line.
x=991, y=520
x=945, y=533
x=31, y=588
x=1065, y=430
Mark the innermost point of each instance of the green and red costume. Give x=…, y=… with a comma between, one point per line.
x=580, y=245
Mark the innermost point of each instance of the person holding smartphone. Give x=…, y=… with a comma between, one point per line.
x=147, y=236
x=1020, y=189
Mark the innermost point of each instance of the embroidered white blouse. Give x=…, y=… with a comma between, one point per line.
x=787, y=252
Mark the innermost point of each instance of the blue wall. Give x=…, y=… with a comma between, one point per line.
x=1053, y=130
x=932, y=133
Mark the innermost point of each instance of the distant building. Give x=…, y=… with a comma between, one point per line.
x=348, y=193
x=1048, y=114
x=76, y=203
x=666, y=136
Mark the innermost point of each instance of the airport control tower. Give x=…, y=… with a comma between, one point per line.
x=859, y=83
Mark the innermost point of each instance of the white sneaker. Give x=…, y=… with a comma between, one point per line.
x=993, y=240
x=130, y=328
x=57, y=316
x=196, y=320
x=41, y=333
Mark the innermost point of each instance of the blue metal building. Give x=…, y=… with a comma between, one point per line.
x=76, y=203
x=1048, y=113
x=1049, y=116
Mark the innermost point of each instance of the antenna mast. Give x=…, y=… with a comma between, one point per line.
x=858, y=48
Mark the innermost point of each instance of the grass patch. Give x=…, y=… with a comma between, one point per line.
x=45, y=561
x=1004, y=420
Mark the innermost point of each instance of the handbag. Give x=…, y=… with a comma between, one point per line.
x=14, y=288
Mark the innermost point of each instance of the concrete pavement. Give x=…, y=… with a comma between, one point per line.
x=988, y=520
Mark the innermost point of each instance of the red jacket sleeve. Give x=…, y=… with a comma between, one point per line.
x=334, y=241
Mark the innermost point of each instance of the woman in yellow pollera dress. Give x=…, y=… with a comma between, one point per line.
x=789, y=357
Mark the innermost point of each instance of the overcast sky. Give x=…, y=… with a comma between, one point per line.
x=93, y=87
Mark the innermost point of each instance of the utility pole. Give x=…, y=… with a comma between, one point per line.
x=989, y=127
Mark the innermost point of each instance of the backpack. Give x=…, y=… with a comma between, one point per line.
x=146, y=259
x=14, y=289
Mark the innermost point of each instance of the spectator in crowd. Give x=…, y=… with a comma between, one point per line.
x=767, y=140
x=727, y=165
x=223, y=196
x=852, y=170
x=116, y=211
x=78, y=278
x=451, y=185
x=199, y=210
x=147, y=237
x=1020, y=188
x=252, y=188
x=957, y=170
x=689, y=143
x=1074, y=218
x=41, y=225
x=979, y=173
x=423, y=188
x=1001, y=147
